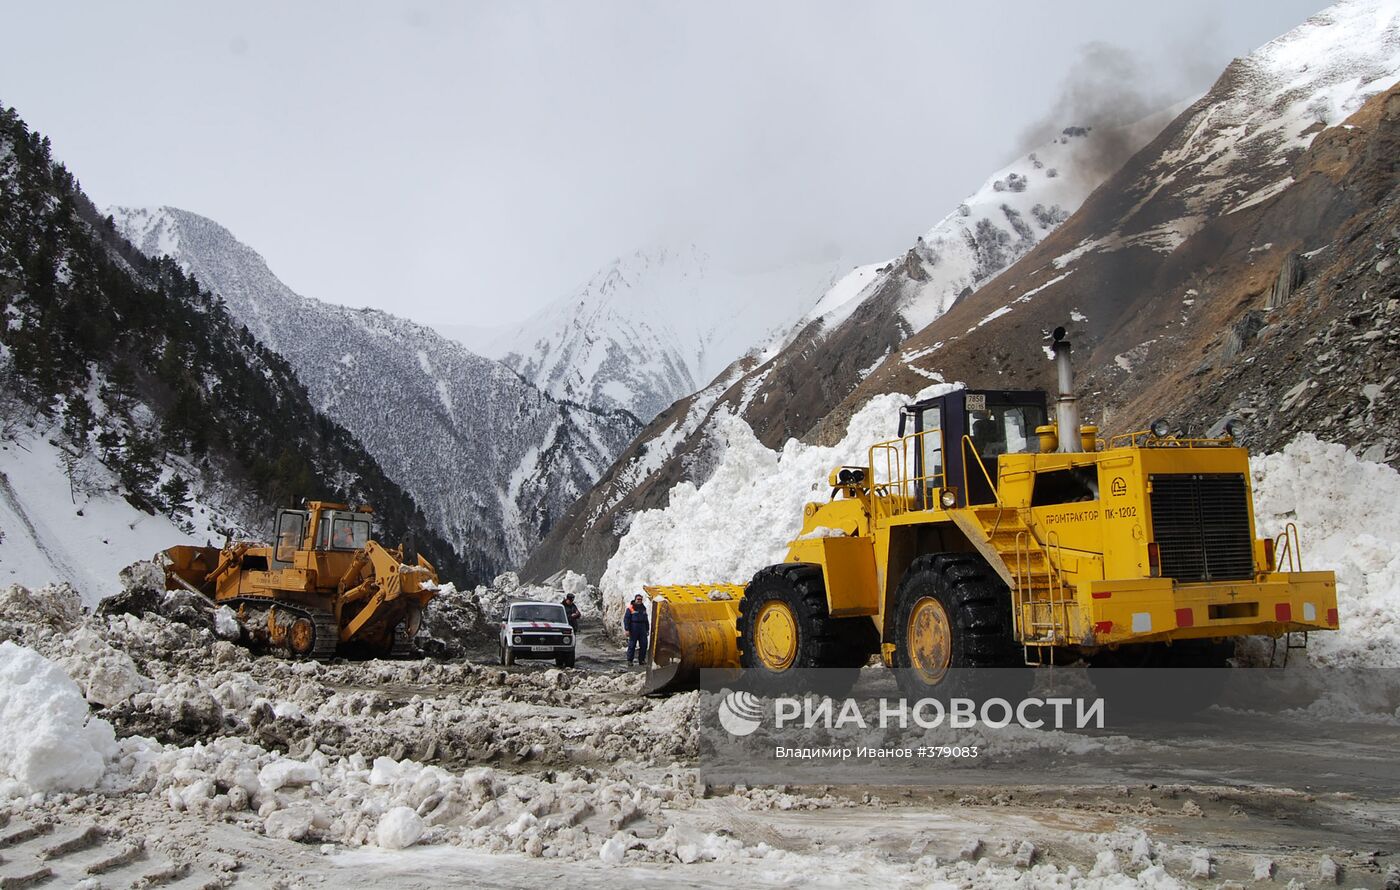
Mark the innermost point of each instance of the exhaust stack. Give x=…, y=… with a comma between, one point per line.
x=1066, y=405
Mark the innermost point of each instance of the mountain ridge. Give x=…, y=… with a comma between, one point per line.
x=784, y=388
x=492, y=460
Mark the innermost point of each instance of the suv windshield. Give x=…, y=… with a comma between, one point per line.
x=538, y=612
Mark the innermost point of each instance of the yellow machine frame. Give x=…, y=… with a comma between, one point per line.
x=1084, y=575
x=318, y=595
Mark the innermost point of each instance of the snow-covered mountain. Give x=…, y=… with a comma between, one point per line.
x=1181, y=278
x=650, y=328
x=492, y=460
x=787, y=386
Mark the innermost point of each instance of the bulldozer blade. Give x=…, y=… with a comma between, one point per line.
x=694, y=628
x=187, y=568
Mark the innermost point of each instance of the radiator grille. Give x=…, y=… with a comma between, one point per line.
x=542, y=639
x=1200, y=523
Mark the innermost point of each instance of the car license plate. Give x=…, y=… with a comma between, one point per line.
x=541, y=648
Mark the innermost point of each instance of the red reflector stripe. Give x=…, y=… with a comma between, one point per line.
x=1185, y=618
x=1101, y=594
x=1331, y=616
x=1103, y=627
x=1283, y=612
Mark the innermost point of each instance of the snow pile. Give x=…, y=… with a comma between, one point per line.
x=1344, y=509
x=746, y=514
x=143, y=593
x=51, y=606
x=456, y=618
x=399, y=828
x=508, y=587
x=48, y=740
x=107, y=676
x=450, y=621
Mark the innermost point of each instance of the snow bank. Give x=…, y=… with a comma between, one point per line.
x=48, y=740
x=746, y=514
x=1344, y=508
x=507, y=587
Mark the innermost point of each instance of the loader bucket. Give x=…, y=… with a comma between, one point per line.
x=188, y=567
x=694, y=626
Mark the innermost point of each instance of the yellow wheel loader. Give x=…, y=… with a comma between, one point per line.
x=989, y=534
x=323, y=588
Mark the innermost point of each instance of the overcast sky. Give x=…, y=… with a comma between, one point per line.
x=469, y=162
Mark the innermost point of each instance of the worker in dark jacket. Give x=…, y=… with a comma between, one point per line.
x=571, y=609
x=637, y=625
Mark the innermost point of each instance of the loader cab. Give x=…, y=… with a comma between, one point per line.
x=962, y=433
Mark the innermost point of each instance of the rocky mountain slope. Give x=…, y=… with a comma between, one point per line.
x=1241, y=264
x=134, y=412
x=650, y=327
x=493, y=461
x=785, y=389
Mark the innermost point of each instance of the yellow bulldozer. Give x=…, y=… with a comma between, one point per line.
x=989, y=534
x=322, y=588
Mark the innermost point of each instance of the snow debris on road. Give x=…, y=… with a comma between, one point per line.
x=404, y=756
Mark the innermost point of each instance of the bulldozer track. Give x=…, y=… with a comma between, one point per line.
x=323, y=620
x=327, y=633
x=402, y=647
x=55, y=854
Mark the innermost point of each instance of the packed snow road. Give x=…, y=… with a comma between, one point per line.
x=202, y=764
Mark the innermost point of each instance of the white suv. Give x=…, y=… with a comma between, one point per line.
x=537, y=630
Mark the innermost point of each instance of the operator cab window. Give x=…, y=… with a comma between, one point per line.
x=291, y=529
x=1004, y=429
x=347, y=533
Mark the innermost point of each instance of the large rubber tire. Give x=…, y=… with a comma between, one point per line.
x=974, y=607
x=795, y=593
x=564, y=661
x=509, y=658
